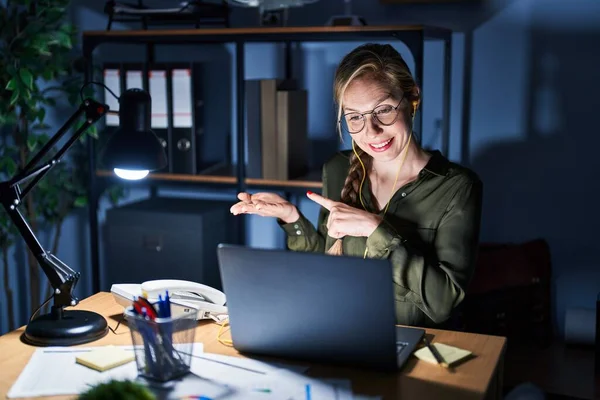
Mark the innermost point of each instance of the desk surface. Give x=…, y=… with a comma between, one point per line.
x=475, y=378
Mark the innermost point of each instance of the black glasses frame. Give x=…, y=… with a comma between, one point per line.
x=372, y=112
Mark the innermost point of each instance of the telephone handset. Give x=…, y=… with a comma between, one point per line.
x=184, y=295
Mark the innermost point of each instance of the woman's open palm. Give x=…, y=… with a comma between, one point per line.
x=266, y=205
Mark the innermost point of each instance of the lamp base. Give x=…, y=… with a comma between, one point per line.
x=65, y=328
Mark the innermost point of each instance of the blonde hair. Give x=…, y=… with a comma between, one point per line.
x=382, y=64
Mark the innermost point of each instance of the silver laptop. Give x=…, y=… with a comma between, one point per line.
x=314, y=307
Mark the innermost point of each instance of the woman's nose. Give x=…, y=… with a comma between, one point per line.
x=372, y=126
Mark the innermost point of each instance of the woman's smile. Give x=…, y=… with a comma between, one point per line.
x=381, y=146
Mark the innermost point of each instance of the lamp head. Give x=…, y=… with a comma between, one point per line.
x=134, y=149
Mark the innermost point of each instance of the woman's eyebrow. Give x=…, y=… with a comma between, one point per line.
x=381, y=99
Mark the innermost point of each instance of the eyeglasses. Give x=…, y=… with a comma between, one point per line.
x=384, y=114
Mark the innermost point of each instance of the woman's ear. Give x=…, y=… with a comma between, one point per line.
x=416, y=96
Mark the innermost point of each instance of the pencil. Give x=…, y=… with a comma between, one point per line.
x=438, y=357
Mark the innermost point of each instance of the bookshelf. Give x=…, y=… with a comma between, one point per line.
x=234, y=176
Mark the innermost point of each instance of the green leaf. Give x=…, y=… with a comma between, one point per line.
x=64, y=39
x=26, y=77
x=11, y=85
x=41, y=114
x=15, y=97
x=80, y=201
x=31, y=143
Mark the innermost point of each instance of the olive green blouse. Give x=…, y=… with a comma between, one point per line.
x=430, y=233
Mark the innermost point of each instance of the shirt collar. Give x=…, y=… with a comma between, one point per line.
x=437, y=164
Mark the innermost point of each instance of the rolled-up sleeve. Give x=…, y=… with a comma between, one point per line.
x=436, y=284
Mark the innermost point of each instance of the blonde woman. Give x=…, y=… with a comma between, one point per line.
x=387, y=197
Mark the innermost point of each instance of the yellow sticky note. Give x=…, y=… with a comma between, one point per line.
x=105, y=358
x=450, y=354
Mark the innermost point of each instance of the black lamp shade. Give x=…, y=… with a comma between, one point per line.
x=134, y=146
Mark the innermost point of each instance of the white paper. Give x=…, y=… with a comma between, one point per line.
x=113, y=82
x=285, y=384
x=53, y=371
x=234, y=371
x=157, y=81
x=182, y=98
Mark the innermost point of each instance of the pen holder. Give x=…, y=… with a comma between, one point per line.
x=163, y=346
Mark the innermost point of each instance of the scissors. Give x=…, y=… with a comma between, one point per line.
x=143, y=303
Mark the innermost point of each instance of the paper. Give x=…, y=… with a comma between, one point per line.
x=450, y=354
x=285, y=384
x=235, y=371
x=53, y=371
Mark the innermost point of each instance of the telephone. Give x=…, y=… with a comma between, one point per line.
x=184, y=296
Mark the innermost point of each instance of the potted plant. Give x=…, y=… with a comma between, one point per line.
x=38, y=73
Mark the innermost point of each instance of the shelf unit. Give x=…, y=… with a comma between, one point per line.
x=234, y=177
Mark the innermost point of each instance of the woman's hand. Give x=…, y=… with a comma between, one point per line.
x=345, y=220
x=266, y=205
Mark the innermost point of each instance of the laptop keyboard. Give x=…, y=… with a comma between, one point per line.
x=400, y=346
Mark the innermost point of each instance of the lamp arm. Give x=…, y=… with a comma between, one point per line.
x=62, y=278
x=93, y=112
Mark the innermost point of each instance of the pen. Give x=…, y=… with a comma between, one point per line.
x=438, y=357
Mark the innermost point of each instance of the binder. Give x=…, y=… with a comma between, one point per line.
x=183, y=137
x=157, y=75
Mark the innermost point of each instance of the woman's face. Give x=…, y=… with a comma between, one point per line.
x=383, y=143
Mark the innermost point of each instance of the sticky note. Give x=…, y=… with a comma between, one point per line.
x=105, y=358
x=450, y=354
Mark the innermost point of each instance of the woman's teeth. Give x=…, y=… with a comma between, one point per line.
x=380, y=145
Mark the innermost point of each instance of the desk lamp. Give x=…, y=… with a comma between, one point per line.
x=132, y=152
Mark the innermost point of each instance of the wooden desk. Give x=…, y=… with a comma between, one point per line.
x=477, y=378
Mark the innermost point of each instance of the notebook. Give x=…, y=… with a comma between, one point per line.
x=450, y=354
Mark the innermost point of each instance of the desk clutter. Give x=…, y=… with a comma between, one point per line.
x=54, y=371
x=169, y=363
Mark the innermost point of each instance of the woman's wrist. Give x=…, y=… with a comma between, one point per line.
x=375, y=222
x=292, y=217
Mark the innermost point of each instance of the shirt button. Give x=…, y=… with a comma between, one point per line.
x=403, y=194
x=298, y=232
x=296, y=226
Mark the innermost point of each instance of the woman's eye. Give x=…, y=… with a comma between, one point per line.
x=385, y=110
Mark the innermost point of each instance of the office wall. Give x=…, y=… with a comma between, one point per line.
x=522, y=118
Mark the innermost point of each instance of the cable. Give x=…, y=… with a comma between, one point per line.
x=405, y=151
x=40, y=307
x=225, y=342
x=96, y=83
